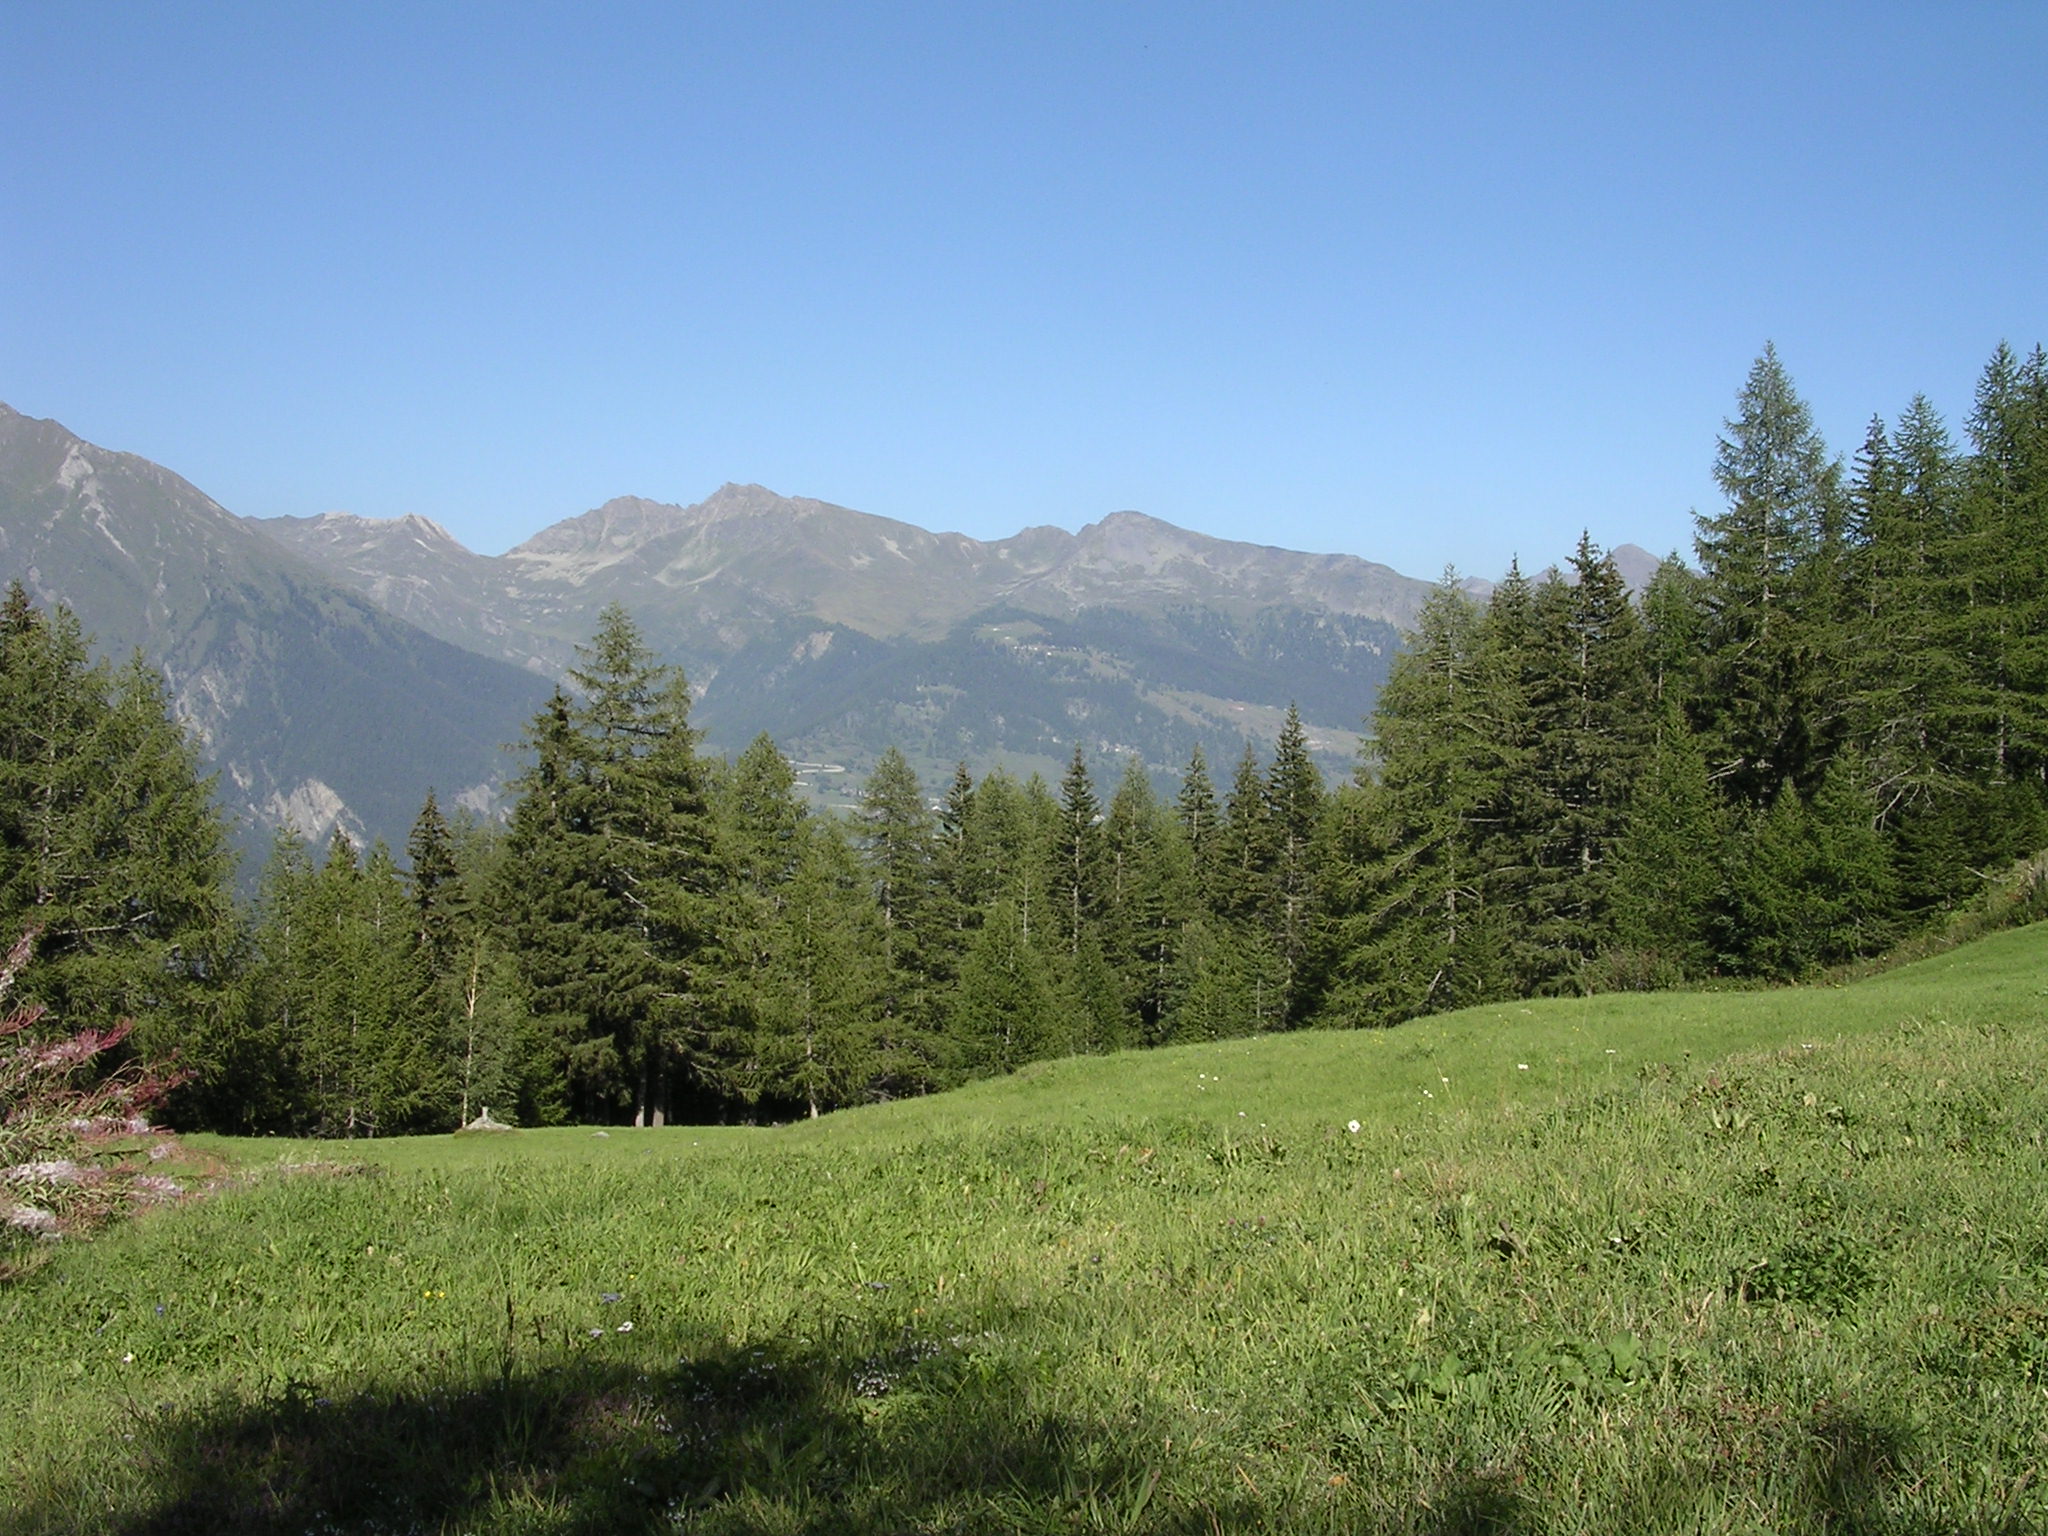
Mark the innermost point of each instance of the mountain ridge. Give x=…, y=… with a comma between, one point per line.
x=839, y=632
x=336, y=667
x=291, y=682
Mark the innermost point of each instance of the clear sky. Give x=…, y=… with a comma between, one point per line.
x=1425, y=283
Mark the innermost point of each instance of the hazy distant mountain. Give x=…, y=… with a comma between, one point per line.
x=314, y=703
x=1636, y=564
x=337, y=667
x=839, y=632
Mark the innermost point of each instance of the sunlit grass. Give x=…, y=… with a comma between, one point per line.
x=1722, y=1262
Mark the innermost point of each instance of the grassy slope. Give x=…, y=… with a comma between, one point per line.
x=1750, y=1261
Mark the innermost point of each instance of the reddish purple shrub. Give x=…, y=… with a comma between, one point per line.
x=76, y=1145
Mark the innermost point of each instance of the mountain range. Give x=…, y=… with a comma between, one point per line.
x=314, y=704
x=335, y=667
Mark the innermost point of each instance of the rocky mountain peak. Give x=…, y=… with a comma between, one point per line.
x=733, y=499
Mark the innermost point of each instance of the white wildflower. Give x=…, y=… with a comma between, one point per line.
x=32, y=1219
x=58, y=1171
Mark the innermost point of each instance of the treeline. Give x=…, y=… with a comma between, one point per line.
x=1833, y=728
x=1821, y=735
x=1829, y=730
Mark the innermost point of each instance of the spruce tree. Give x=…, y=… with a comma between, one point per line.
x=1768, y=690
x=279, y=972
x=111, y=848
x=1413, y=930
x=1079, y=854
x=955, y=895
x=1804, y=883
x=1666, y=866
x=361, y=1032
x=1034, y=880
x=816, y=998
x=1006, y=1010
x=994, y=843
x=499, y=1057
x=2006, y=511
x=1295, y=805
x=612, y=879
x=1506, y=831
x=1201, y=825
x=1245, y=847
x=896, y=846
x=1143, y=911
x=1590, y=702
x=1222, y=984
x=436, y=888
x=1908, y=635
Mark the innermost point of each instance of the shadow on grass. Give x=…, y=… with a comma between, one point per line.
x=912, y=1437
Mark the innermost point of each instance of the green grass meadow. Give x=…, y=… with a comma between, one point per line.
x=1735, y=1262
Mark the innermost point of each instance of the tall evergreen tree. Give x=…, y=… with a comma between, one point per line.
x=762, y=818
x=613, y=878
x=497, y=1056
x=1589, y=698
x=896, y=843
x=1295, y=805
x=1803, y=883
x=1767, y=701
x=1079, y=854
x=2006, y=509
x=1243, y=892
x=353, y=990
x=1505, y=832
x=1223, y=983
x=1413, y=930
x=895, y=839
x=1007, y=1009
x=1201, y=825
x=815, y=997
x=994, y=842
x=1666, y=866
x=1145, y=888
x=956, y=894
x=110, y=845
x=436, y=887
x=1911, y=690
x=1671, y=610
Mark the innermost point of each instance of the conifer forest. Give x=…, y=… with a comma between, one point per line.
x=1818, y=734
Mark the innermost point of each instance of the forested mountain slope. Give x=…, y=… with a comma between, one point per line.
x=315, y=704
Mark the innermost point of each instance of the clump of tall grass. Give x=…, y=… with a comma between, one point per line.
x=76, y=1145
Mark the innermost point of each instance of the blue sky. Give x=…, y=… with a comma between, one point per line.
x=1429, y=284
